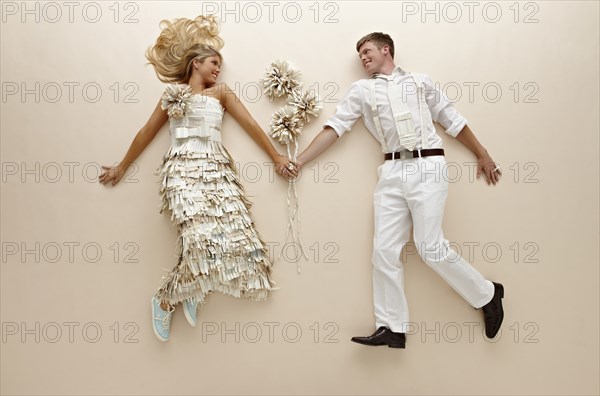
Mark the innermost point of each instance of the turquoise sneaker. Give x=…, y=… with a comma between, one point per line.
x=189, y=309
x=161, y=320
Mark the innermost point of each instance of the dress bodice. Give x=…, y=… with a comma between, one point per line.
x=202, y=120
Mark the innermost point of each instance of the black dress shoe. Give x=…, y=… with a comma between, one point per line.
x=383, y=336
x=493, y=312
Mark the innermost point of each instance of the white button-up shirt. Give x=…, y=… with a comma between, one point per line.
x=357, y=103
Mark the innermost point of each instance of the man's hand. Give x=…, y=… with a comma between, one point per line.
x=486, y=164
x=490, y=170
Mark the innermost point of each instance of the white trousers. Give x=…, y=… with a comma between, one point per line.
x=413, y=193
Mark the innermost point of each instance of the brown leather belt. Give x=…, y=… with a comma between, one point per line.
x=405, y=154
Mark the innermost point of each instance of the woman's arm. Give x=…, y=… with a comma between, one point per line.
x=145, y=135
x=236, y=108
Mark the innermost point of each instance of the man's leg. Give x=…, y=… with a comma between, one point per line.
x=392, y=231
x=426, y=193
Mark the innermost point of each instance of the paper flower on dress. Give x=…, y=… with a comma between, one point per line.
x=286, y=125
x=177, y=99
x=305, y=104
x=281, y=79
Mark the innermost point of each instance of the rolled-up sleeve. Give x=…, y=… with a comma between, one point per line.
x=347, y=111
x=442, y=110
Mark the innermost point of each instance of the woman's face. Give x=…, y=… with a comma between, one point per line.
x=209, y=69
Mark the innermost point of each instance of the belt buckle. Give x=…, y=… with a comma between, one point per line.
x=405, y=154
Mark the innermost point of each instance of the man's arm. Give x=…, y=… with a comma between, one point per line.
x=319, y=144
x=486, y=164
x=444, y=113
x=347, y=112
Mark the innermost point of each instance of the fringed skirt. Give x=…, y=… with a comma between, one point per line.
x=218, y=248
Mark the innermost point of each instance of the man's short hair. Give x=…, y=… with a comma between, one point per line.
x=379, y=39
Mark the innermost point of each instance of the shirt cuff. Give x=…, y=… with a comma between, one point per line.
x=457, y=126
x=338, y=129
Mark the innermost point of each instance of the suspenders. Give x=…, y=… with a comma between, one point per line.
x=402, y=116
x=376, y=118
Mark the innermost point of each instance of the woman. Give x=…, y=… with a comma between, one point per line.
x=218, y=247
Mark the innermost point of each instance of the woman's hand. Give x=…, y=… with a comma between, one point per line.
x=285, y=167
x=111, y=173
x=145, y=135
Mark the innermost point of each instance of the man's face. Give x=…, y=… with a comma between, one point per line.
x=371, y=57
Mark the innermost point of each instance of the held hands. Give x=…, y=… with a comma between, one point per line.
x=285, y=167
x=490, y=170
x=114, y=173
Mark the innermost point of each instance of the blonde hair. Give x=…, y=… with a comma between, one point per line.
x=180, y=42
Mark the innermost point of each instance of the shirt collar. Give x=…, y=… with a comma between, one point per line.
x=396, y=71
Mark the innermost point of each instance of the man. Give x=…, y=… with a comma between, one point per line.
x=399, y=109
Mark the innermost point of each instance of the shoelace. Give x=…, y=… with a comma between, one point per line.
x=166, y=320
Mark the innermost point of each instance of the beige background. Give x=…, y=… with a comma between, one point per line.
x=80, y=261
